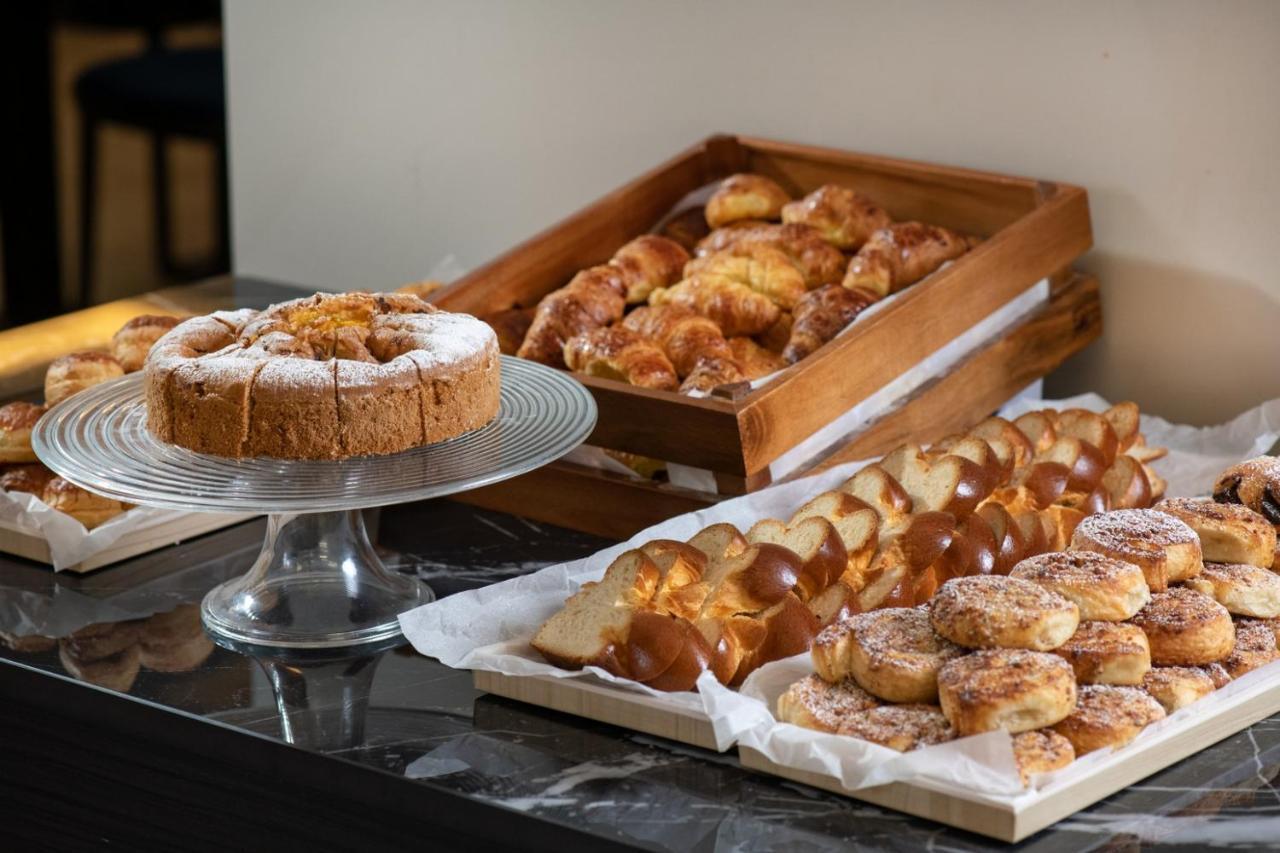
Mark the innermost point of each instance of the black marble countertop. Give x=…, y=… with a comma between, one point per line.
x=434, y=749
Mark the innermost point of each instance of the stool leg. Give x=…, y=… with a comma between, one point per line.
x=160, y=204
x=88, y=204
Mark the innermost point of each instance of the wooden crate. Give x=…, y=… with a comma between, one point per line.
x=616, y=506
x=1035, y=230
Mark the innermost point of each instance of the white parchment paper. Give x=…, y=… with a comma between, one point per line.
x=69, y=542
x=490, y=628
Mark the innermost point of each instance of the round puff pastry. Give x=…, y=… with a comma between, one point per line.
x=1217, y=674
x=1041, y=751
x=1229, y=533
x=1255, y=484
x=992, y=611
x=1011, y=689
x=891, y=653
x=74, y=373
x=900, y=727
x=1255, y=647
x=1107, y=653
x=1243, y=590
x=1165, y=548
x=135, y=338
x=1176, y=687
x=1106, y=715
x=817, y=704
x=1186, y=628
x=1105, y=589
x=17, y=419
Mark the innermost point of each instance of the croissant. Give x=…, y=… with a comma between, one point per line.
x=734, y=307
x=510, y=326
x=683, y=335
x=649, y=262
x=687, y=227
x=593, y=299
x=902, y=254
x=620, y=353
x=745, y=196
x=818, y=261
x=763, y=269
x=844, y=217
x=712, y=372
x=755, y=360
x=821, y=314
x=775, y=338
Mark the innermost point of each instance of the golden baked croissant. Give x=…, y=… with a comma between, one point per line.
x=593, y=299
x=818, y=261
x=734, y=307
x=846, y=218
x=821, y=314
x=902, y=254
x=510, y=326
x=745, y=196
x=775, y=338
x=711, y=372
x=763, y=269
x=684, y=335
x=623, y=354
x=649, y=262
x=755, y=360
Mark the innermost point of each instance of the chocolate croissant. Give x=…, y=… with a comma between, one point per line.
x=593, y=299
x=818, y=261
x=745, y=196
x=763, y=269
x=647, y=263
x=623, y=354
x=902, y=254
x=734, y=307
x=844, y=217
x=821, y=314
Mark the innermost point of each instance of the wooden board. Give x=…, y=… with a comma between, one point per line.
x=17, y=541
x=1033, y=228
x=597, y=700
x=616, y=506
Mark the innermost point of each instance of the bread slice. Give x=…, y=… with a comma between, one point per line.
x=694, y=657
x=1143, y=453
x=980, y=453
x=1038, y=428
x=680, y=567
x=951, y=484
x=1089, y=427
x=878, y=490
x=750, y=581
x=855, y=522
x=1010, y=544
x=719, y=541
x=1126, y=420
x=903, y=557
x=1125, y=484
x=789, y=629
x=815, y=541
x=997, y=431
x=836, y=602
x=1084, y=462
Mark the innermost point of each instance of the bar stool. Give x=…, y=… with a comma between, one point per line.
x=167, y=93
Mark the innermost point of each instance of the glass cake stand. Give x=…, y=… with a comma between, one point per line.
x=317, y=582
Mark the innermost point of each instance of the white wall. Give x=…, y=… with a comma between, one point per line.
x=371, y=139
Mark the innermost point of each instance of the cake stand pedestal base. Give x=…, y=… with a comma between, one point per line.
x=316, y=584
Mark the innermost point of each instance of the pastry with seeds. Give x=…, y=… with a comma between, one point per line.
x=1104, y=588
x=1186, y=628
x=1107, y=715
x=1243, y=590
x=814, y=703
x=1107, y=653
x=900, y=727
x=1164, y=547
x=893, y=654
x=1229, y=533
x=990, y=611
x=1176, y=687
x=1011, y=689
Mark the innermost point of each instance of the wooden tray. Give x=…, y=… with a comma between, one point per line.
x=15, y=540
x=617, y=506
x=1035, y=230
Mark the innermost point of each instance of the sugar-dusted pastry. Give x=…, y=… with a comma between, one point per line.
x=323, y=377
x=1011, y=689
x=1229, y=533
x=845, y=217
x=510, y=325
x=30, y=477
x=135, y=338
x=765, y=270
x=1041, y=751
x=819, y=261
x=17, y=419
x=901, y=254
x=1255, y=484
x=76, y=372
x=1186, y=628
x=622, y=354
x=1165, y=548
x=84, y=506
x=1106, y=715
x=991, y=611
x=1107, y=653
x=900, y=727
x=823, y=705
x=1255, y=647
x=1176, y=687
x=647, y=263
x=822, y=314
x=745, y=196
x=733, y=306
x=1243, y=590
x=594, y=298
x=891, y=653
x=1102, y=587
x=1217, y=674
